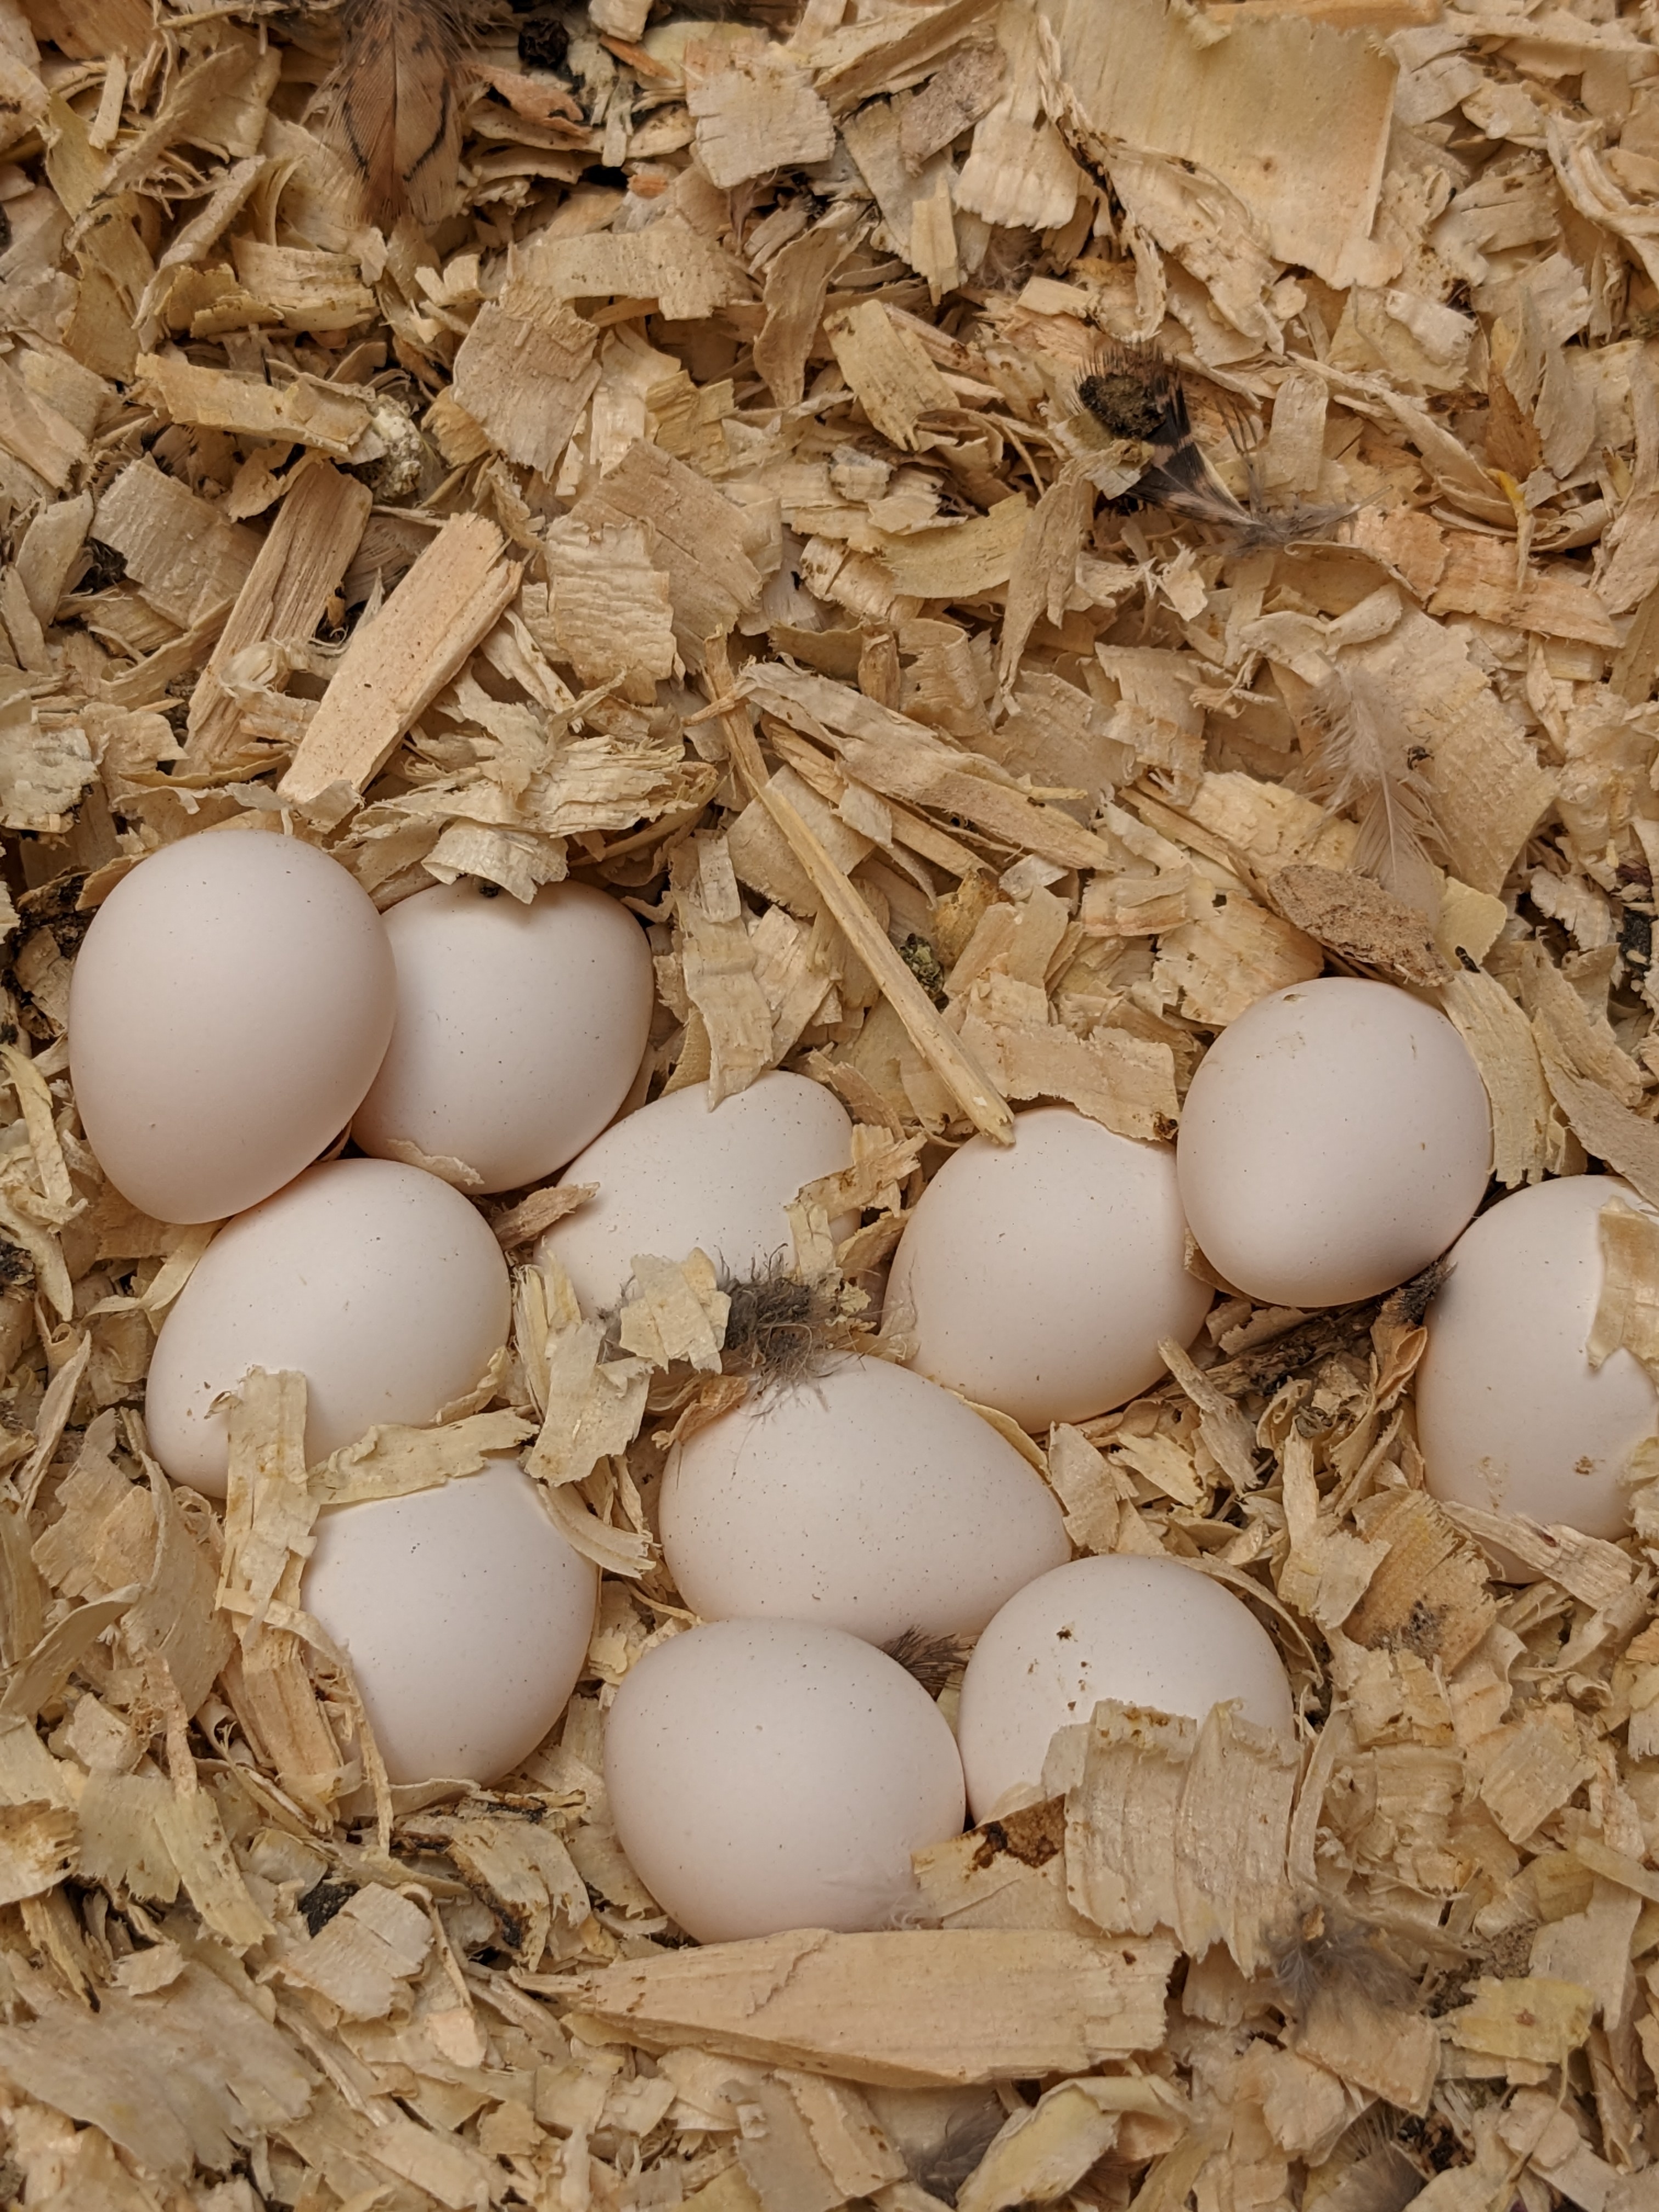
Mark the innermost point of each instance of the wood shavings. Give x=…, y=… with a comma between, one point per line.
x=1045, y=2003
x=750, y=353
x=396, y=665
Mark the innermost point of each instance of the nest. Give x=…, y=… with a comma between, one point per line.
x=1006, y=536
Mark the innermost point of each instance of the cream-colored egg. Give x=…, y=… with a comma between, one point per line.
x=465, y=1615
x=1510, y=1414
x=675, y=1177
x=772, y=1774
x=868, y=1499
x=380, y=1284
x=1334, y=1141
x=1043, y=1275
x=1145, y=1631
x=519, y=1029
x=228, y=1010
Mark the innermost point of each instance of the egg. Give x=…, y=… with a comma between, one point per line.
x=1510, y=1414
x=1335, y=1140
x=1145, y=1631
x=228, y=1008
x=675, y=1177
x=465, y=1615
x=519, y=1032
x=1044, y=1274
x=380, y=1284
x=868, y=1499
x=773, y=1774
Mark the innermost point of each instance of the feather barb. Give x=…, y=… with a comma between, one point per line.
x=393, y=105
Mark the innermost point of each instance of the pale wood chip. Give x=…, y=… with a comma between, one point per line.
x=1429, y=1595
x=1501, y=1039
x=1120, y=1819
x=756, y=113
x=375, y=1943
x=1585, y=1041
x=1379, y=2048
x=398, y=662
x=39, y=1847
x=171, y=2078
x=796, y=283
x=888, y=369
x=1534, y=2017
x=525, y=372
x=1176, y=89
x=687, y=273
x=677, y=1311
x=1234, y=953
x=701, y=542
x=612, y=607
x=1043, y=2153
x=952, y=99
x=297, y=570
x=1531, y=1769
x=718, y=965
x=1010, y=1873
x=392, y=1462
x=1628, y=1142
x=185, y=556
x=1355, y=917
x=305, y=412
x=44, y=772
x=911, y=2009
x=898, y=757
x=1627, y=1311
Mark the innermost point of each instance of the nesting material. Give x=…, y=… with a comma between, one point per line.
x=1006, y=534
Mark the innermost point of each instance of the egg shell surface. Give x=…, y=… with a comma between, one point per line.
x=1145, y=1631
x=773, y=1774
x=1510, y=1415
x=674, y=1178
x=465, y=1615
x=1335, y=1140
x=868, y=1498
x=380, y=1284
x=1044, y=1274
x=228, y=1009
x=519, y=1029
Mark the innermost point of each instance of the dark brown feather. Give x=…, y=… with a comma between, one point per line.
x=1134, y=392
x=394, y=104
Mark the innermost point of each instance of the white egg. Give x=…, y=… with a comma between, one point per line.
x=1335, y=1140
x=1044, y=1274
x=519, y=1029
x=1145, y=1631
x=380, y=1284
x=228, y=1009
x=465, y=1615
x=1510, y=1414
x=869, y=1500
x=674, y=1178
x=773, y=1774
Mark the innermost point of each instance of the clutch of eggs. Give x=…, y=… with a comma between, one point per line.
x=868, y=1499
x=1043, y=1275
x=378, y=1284
x=228, y=1008
x=1511, y=1415
x=677, y=1177
x=519, y=1030
x=1150, y=1632
x=466, y=1616
x=1336, y=1138
x=773, y=1774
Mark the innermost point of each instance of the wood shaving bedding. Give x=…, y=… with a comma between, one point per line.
x=698, y=501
